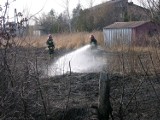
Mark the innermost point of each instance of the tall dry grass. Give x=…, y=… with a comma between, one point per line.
x=62, y=41
x=131, y=59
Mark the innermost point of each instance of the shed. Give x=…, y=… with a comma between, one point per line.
x=130, y=33
x=38, y=30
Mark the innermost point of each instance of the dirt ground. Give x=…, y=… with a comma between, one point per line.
x=132, y=97
x=75, y=96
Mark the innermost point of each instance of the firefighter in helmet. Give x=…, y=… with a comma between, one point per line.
x=93, y=41
x=50, y=44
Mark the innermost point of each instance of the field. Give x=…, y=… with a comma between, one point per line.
x=27, y=93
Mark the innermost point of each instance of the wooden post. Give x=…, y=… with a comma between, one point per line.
x=104, y=106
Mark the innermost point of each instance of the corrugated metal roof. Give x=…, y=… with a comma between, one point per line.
x=132, y=24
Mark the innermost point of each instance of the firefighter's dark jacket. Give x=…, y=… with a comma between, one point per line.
x=50, y=42
x=93, y=40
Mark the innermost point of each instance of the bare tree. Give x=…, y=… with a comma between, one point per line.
x=68, y=14
x=65, y=4
x=90, y=3
x=154, y=8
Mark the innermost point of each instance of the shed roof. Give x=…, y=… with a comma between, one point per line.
x=119, y=25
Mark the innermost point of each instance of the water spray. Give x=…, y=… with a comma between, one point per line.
x=83, y=60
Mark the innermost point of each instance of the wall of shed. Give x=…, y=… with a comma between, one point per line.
x=145, y=33
x=37, y=33
x=116, y=37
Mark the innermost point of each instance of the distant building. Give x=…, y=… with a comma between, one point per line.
x=130, y=33
x=117, y=11
x=38, y=30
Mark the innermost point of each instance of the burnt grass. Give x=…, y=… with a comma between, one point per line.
x=26, y=93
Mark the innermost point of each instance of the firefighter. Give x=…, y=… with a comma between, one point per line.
x=50, y=44
x=93, y=41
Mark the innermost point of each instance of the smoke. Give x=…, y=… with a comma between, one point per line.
x=83, y=60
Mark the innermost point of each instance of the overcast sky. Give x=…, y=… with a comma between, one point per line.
x=30, y=7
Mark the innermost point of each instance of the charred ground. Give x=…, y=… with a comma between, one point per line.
x=26, y=94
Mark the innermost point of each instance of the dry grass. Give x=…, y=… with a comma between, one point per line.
x=134, y=59
x=62, y=41
x=130, y=59
x=125, y=48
